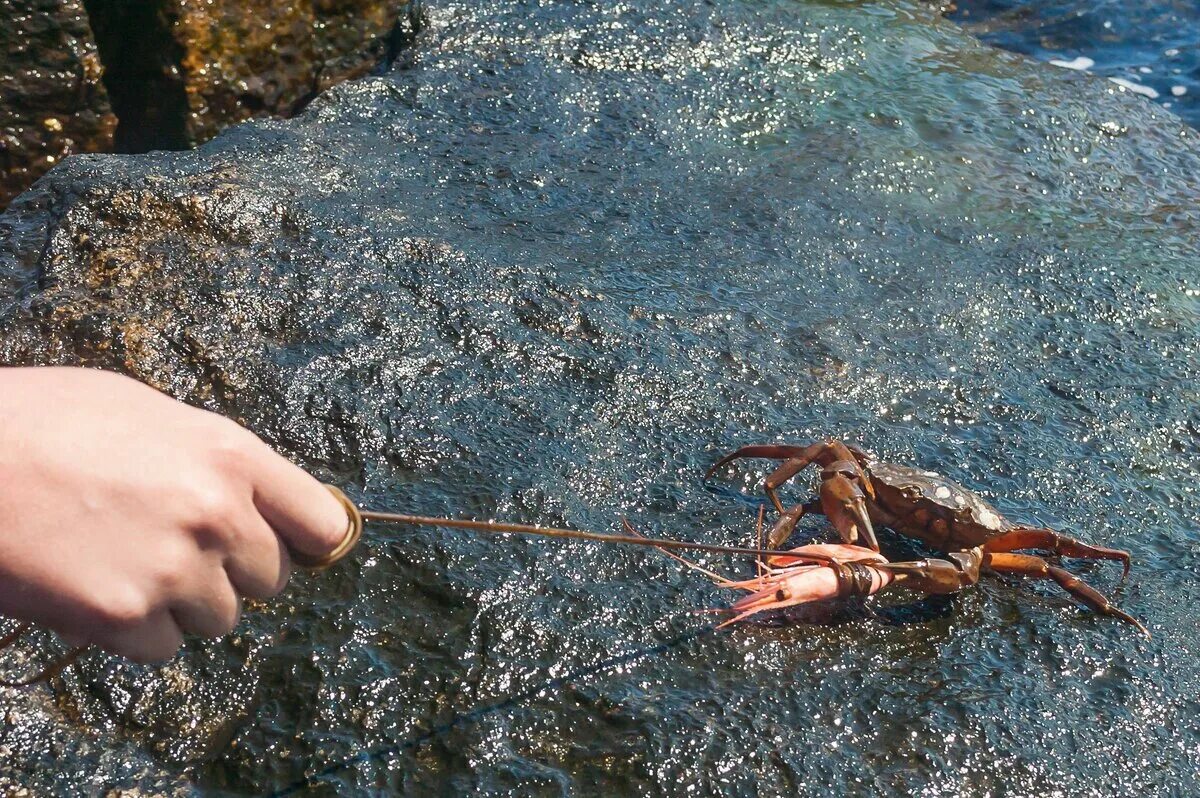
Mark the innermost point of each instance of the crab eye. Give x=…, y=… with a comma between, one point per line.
x=781, y=595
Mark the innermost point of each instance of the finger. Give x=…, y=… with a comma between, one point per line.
x=209, y=608
x=297, y=506
x=256, y=562
x=74, y=639
x=156, y=638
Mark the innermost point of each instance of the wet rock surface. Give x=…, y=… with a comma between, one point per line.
x=547, y=270
x=52, y=101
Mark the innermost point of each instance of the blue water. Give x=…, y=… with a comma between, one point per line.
x=1151, y=44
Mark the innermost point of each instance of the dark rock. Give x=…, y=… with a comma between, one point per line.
x=52, y=101
x=176, y=72
x=181, y=71
x=547, y=270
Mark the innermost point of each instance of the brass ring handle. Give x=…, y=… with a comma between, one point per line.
x=354, y=527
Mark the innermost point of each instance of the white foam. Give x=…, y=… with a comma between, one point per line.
x=1179, y=91
x=1136, y=88
x=1081, y=63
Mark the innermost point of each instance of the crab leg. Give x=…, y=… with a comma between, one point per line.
x=785, y=525
x=781, y=475
x=1033, y=538
x=796, y=459
x=842, y=502
x=1037, y=568
x=768, y=452
x=934, y=576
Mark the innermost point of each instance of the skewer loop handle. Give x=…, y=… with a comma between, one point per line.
x=354, y=527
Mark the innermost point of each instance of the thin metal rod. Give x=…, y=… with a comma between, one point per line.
x=551, y=532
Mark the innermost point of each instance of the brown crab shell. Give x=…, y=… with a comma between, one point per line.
x=932, y=508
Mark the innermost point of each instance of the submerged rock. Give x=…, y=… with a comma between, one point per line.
x=545, y=270
x=52, y=101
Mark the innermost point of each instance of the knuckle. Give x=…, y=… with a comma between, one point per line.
x=281, y=581
x=213, y=506
x=266, y=585
x=264, y=576
x=223, y=612
x=122, y=611
x=229, y=445
x=142, y=656
x=170, y=569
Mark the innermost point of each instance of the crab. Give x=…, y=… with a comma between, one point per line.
x=859, y=493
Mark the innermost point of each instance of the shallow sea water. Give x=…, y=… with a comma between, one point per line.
x=550, y=267
x=1152, y=47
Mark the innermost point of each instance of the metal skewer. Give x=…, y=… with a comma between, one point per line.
x=357, y=517
x=552, y=532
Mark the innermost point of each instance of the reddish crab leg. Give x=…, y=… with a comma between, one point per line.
x=1048, y=539
x=844, y=503
x=1037, y=568
x=785, y=524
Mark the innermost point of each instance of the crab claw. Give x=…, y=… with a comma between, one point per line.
x=845, y=505
x=858, y=508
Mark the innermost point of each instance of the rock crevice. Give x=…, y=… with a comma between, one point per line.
x=132, y=76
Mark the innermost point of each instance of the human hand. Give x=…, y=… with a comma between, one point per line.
x=128, y=518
